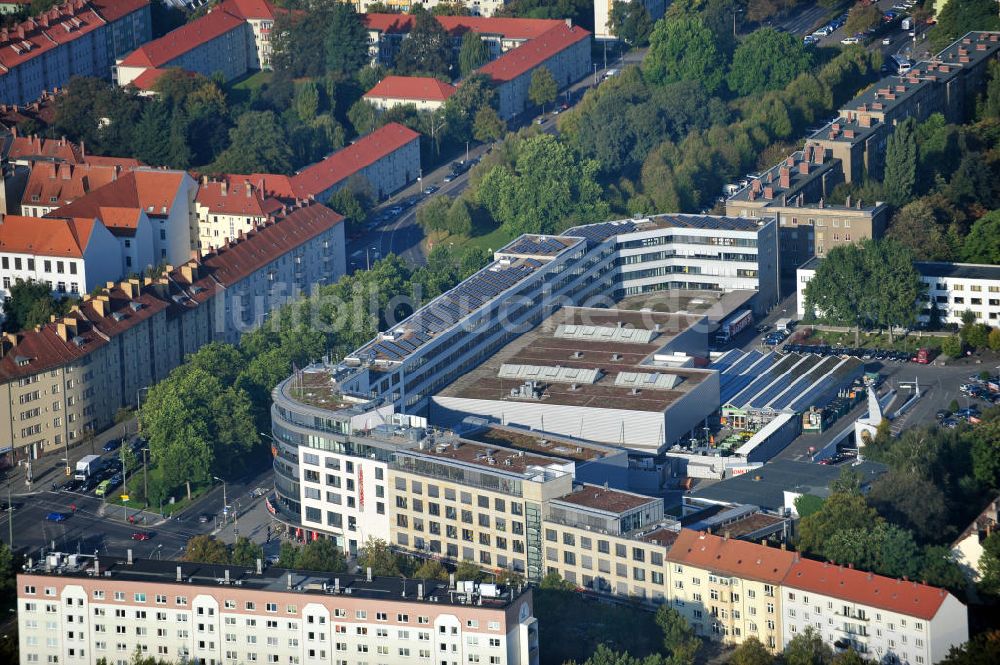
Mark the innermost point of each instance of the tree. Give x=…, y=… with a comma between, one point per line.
x=989, y=564
x=683, y=49
x=7, y=575
x=862, y=17
x=347, y=204
x=885, y=549
x=989, y=105
x=807, y=504
x=982, y=245
x=377, y=555
x=630, y=22
x=322, y=555
x=981, y=649
x=30, y=304
x=473, y=54
x=307, y=101
x=751, y=652
x=427, y=49
x=458, y=222
x=288, y=555
x=952, y=346
x=433, y=215
x=363, y=116
x=543, y=89
x=901, y=163
x=767, y=60
x=911, y=501
x=246, y=552
x=993, y=340
x=257, y=144
x=206, y=549
x=346, y=42
x=915, y=226
x=466, y=570
x=839, y=511
x=956, y=19
x=848, y=657
x=488, y=127
x=475, y=94
x=807, y=648
x=940, y=569
x=678, y=636
x=431, y=569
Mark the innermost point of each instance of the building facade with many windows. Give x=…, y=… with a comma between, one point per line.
x=76, y=610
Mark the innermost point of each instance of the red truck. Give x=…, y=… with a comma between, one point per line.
x=924, y=356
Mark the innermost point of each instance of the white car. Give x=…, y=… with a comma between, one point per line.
x=886, y=41
x=850, y=40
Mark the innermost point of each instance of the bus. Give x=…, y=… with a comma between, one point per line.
x=900, y=64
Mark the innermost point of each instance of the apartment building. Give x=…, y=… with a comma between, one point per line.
x=225, y=211
x=71, y=256
x=232, y=39
x=52, y=185
x=795, y=193
x=952, y=290
x=70, y=376
x=947, y=83
x=879, y=617
x=76, y=609
x=518, y=47
x=76, y=38
x=476, y=7
x=424, y=93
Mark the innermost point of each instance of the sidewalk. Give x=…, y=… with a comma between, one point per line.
x=48, y=468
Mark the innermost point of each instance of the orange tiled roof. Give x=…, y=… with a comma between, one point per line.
x=533, y=53
x=32, y=147
x=342, y=164
x=152, y=190
x=511, y=28
x=412, y=87
x=160, y=52
x=904, y=597
x=235, y=197
x=54, y=184
x=42, y=236
x=729, y=556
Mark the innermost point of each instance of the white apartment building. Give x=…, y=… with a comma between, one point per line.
x=879, y=617
x=72, y=255
x=227, y=210
x=76, y=610
x=952, y=289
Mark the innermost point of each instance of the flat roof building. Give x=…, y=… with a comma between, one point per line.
x=216, y=613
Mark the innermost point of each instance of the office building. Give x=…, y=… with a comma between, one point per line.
x=76, y=38
x=69, y=377
x=78, y=609
x=952, y=290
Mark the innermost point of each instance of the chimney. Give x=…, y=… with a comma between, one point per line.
x=783, y=546
x=102, y=305
x=7, y=343
x=804, y=167
x=847, y=201
x=336, y=585
x=204, y=180
x=180, y=576
x=224, y=187
x=769, y=192
x=784, y=177
x=420, y=592
x=289, y=581
x=249, y=189
x=368, y=573
x=129, y=556
x=97, y=567
x=189, y=271
x=451, y=580
x=83, y=150
x=260, y=566
x=227, y=576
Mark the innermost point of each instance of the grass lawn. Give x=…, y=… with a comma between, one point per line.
x=239, y=91
x=489, y=239
x=619, y=627
x=136, y=501
x=908, y=343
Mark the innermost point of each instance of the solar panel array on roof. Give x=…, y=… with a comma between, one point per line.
x=598, y=233
x=707, y=222
x=777, y=369
x=606, y=333
x=534, y=245
x=800, y=378
x=448, y=309
x=551, y=374
x=846, y=371
x=742, y=370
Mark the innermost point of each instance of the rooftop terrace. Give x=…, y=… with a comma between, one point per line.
x=578, y=451
x=478, y=454
x=605, y=499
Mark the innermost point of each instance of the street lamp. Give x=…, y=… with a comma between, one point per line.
x=145, y=476
x=225, y=504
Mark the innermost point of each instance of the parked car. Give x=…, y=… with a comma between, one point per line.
x=56, y=517
x=886, y=41
x=112, y=445
x=449, y=177
x=850, y=40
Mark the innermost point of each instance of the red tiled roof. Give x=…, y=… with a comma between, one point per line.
x=160, y=52
x=121, y=222
x=511, y=28
x=533, y=53
x=235, y=198
x=270, y=183
x=45, y=237
x=151, y=190
x=229, y=264
x=64, y=182
x=59, y=25
x=730, y=556
x=31, y=147
x=125, y=163
x=255, y=9
x=908, y=598
x=45, y=349
x=112, y=10
x=367, y=150
x=148, y=78
x=412, y=87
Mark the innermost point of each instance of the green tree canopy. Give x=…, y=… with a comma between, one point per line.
x=30, y=304
x=989, y=564
x=630, y=22
x=321, y=555
x=346, y=42
x=678, y=637
x=861, y=17
x=257, y=144
x=982, y=245
x=206, y=549
x=767, y=60
x=751, y=652
x=839, y=511
x=427, y=49
x=543, y=88
x=916, y=227
x=807, y=648
x=488, y=126
x=431, y=569
x=377, y=555
x=683, y=49
x=245, y=552
x=959, y=17
x=473, y=54
x=901, y=163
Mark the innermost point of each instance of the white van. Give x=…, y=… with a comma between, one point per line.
x=611, y=72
